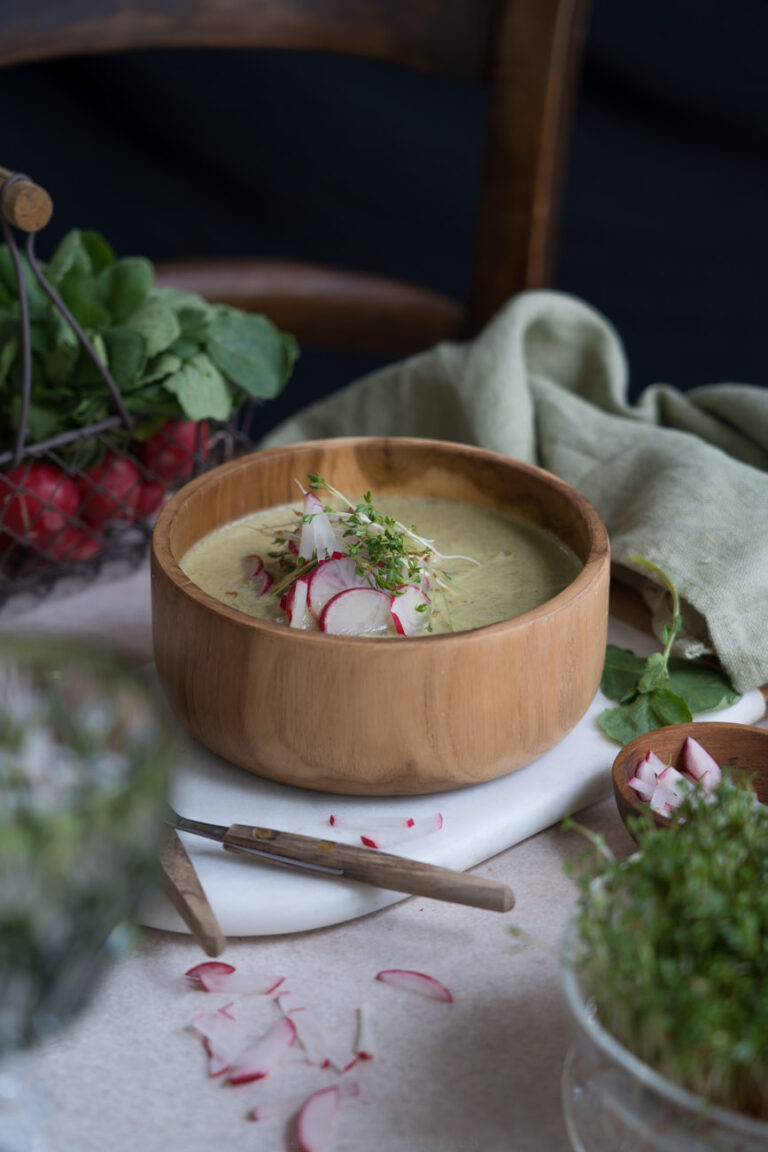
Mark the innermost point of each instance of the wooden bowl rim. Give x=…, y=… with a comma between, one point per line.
x=697, y=728
x=599, y=549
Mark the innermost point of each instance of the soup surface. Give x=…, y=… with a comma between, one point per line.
x=492, y=565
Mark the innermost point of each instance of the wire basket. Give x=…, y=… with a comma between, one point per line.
x=83, y=503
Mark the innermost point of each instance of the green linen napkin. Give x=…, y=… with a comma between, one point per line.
x=678, y=477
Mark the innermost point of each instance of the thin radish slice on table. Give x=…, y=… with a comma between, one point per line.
x=412, y=830
x=259, y=1059
x=417, y=982
x=309, y=1033
x=317, y=535
x=356, y=612
x=698, y=763
x=296, y=604
x=223, y=1037
x=245, y=983
x=370, y=823
x=363, y=1039
x=329, y=578
x=410, y=611
x=209, y=968
x=315, y=1121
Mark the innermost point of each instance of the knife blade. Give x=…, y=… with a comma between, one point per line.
x=367, y=865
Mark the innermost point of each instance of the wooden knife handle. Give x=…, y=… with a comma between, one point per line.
x=188, y=897
x=380, y=869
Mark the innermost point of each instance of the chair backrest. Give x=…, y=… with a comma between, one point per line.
x=526, y=52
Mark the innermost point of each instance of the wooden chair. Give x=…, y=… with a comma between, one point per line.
x=525, y=51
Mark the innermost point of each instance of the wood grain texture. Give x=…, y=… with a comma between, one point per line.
x=186, y=893
x=737, y=745
x=525, y=53
x=379, y=716
x=381, y=869
x=25, y=205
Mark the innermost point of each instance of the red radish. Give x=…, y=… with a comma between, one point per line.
x=331, y=577
x=73, y=545
x=37, y=501
x=315, y=1121
x=109, y=490
x=356, y=612
x=674, y=782
x=317, y=535
x=644, y=791
x=151, y=497
x=262, y=583
x=296, y=604
x=253, y=565
x=310, y=1034
x=663, y=801
x=650, y=767
x=410, y=611
x=417, y=982
x=259, y=1059
x=170, y=453
x=223, y=1037
x=209, y=968
x=698, y=763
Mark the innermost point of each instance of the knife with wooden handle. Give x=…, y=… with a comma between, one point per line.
x=368, y=865
x=188, y=897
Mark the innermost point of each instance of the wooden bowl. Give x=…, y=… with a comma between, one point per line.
x=736, y=745
x=386, y=716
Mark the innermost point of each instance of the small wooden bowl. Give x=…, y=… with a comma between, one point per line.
x=736, y=745
x=386, y=716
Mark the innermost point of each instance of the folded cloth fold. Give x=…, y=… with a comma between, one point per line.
x=680, y=478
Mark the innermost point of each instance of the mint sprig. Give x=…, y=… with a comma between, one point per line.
x=659, y=690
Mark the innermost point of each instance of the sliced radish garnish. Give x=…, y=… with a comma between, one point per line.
x=310, y=1034
x=317, y=535
x=410, y=611
x=663, y=801
x=698, y=763
x=297, y=604
x=254, y=566
x=259, y=1059
x=331, y=577
x=356, y=612
x=415, y=982
x=262, y=583
x=223, y=1037
x=245, y=983
x=372, y=823
x=314, y=1123
x=674, y=782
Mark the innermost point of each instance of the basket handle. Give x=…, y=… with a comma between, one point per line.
x=25, y=205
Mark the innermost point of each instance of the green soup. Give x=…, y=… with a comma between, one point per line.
x=496, y=565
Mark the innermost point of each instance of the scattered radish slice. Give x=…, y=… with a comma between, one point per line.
x=209, y=968
x=363, y=1039
x=356, y=612
x=698, y=763
x=410, y=611
x=310, y=1034
x=315, y=1121
x=223, y=1037
x=372, y=823
x=245, y=983
x=259, y=1059
x=329, y=578
x=317, y=535
x=417, y=982
x=413, y=829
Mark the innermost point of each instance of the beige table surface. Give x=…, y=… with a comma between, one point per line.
x=479, y=1075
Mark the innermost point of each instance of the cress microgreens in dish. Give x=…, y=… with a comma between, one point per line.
x=671, y=945
x=659, y=690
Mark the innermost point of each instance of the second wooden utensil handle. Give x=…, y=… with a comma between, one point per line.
x=380, y=869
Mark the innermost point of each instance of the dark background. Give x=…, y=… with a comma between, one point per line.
x=664, y=220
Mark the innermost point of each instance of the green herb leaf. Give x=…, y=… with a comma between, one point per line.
x=124, y=286
x=156, y=323
x=200, y=389
x=251, y=352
